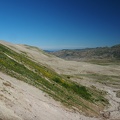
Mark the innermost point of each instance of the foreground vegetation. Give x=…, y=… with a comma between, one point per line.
x=71, y=94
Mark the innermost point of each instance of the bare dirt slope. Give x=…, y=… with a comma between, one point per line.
x=62, y=66
x=20, y=101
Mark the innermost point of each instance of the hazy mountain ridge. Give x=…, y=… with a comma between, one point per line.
x=109, y=53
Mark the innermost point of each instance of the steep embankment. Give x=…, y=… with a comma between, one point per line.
x=71, y=94
x=20, y=101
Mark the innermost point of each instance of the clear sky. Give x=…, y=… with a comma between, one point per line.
x=58, y=24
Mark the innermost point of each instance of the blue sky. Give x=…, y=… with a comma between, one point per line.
x=60, y=24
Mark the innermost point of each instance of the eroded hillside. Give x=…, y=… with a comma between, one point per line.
x=58, y=78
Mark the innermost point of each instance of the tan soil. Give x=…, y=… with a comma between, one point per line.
x=20, y=101
x=23, y=101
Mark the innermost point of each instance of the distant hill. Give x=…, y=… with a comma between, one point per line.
x=99, y=53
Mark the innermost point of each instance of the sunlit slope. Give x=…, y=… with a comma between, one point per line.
x=59, y=65
x=69, y=93
x=93, y=55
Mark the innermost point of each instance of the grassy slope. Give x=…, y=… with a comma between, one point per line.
x=69, y=93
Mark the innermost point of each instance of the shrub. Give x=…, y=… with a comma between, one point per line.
x=57, y=80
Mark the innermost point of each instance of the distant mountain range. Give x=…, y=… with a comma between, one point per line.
x=99, y=53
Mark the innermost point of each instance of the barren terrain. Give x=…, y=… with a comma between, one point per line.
x=20, y=101
x=25, y=102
